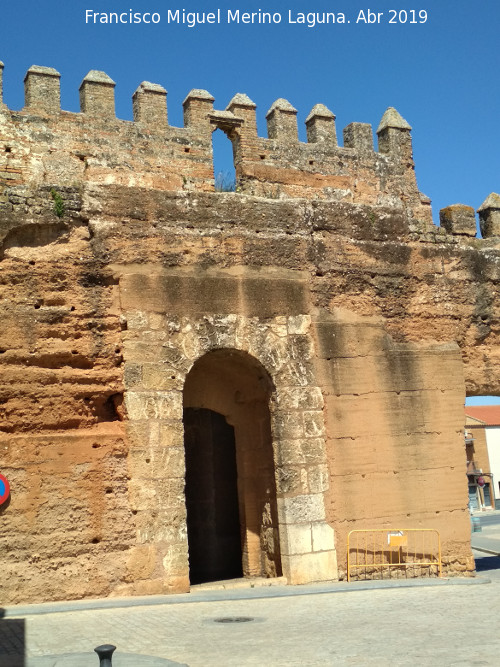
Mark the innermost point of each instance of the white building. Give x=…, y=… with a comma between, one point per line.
x=490, y=416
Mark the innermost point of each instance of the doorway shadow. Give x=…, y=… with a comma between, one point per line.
x=211, y=497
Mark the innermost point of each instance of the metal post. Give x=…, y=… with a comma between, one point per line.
x=105, y=652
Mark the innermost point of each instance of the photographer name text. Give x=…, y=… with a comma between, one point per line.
x=190, y=19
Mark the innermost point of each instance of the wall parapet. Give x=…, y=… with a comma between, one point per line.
x=94, y=146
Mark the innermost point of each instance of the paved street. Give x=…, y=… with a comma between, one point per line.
x=488, y=539
x=490, y=518
x=416, y=622
x=447, y=624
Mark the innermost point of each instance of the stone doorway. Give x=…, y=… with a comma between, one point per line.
x=231, y=504
x=213, y=522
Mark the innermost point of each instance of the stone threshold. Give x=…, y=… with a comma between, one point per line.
x=242, y=582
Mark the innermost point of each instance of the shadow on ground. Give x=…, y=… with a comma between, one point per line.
x=12, y=641
x=12, y=652
x=487, y=563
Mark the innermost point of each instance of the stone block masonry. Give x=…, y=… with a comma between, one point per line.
x=315, y=317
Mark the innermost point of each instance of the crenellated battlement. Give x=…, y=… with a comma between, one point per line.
x=42, y=95
x=45, y=145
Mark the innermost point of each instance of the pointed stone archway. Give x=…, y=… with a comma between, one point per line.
x=232, y=517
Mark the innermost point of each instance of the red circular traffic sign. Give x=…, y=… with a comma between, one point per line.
x=4, y=489
x=480, y=481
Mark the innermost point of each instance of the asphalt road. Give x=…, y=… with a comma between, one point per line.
x=487, y=540
x=487, y=565
x=488, y=519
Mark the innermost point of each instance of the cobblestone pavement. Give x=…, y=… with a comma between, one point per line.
x=443, y=625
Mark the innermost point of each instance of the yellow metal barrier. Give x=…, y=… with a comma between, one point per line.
x=386, y=549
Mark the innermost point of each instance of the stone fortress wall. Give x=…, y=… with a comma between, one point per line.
x=317, y=309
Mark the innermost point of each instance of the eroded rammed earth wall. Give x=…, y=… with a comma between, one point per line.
x=366, y=321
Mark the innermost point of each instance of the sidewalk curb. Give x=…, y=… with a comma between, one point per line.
x=235, y=594
x=486, y=551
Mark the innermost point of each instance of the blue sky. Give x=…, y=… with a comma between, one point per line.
x=482, y=400
x=442, y=75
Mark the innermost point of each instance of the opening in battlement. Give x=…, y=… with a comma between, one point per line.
x=223, y=160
